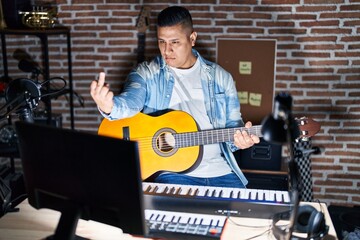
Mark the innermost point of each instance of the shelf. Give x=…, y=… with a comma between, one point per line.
x=43, y=35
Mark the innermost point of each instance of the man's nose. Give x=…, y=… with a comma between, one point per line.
x=167, y=48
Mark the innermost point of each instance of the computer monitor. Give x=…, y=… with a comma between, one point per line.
x=82, y=175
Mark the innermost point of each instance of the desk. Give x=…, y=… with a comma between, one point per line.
x=30, y=223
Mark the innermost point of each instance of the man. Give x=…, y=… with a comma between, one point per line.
x=180, y=79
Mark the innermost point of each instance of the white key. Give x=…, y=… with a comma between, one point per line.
x=272, y=195
x=185, y=190
x=206, y=220
x=236, y=193
x=286, y=197
x=267, y=195
x=201, y=191
x=244, y=194
x=160, y=189
x=226, y=192
x=278, y=196
x=184, y=219
x=260, y=195
x=168, y=217
x=252, y=194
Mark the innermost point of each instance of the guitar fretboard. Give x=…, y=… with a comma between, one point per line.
x=212, y=136
x=141, y=47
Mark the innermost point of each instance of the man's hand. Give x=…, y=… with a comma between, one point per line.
x=101, y=94
x=243, y=140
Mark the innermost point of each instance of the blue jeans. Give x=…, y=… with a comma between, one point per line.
x=229, y=180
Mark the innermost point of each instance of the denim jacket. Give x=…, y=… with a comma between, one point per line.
x=149, y=87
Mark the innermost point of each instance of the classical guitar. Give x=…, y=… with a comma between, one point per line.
x=142, y=24
x=173, y=142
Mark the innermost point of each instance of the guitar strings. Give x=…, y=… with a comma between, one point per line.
x=189, y=139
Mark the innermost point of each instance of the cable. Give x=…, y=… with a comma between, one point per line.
x=56, y=91
x=247, y=226
x=64, y=91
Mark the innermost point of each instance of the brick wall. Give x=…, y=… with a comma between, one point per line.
x=318, y=62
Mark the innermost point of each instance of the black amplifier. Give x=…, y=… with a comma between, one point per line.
x=261, y=156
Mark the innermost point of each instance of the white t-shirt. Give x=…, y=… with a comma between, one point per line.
x=212, y=164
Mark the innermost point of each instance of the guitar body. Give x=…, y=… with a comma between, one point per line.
x=153, y=134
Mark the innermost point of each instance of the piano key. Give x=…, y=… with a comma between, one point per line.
x=266, y=194
x=175, y=218
x=201, y=191
x=236, y=193
x=244, y=194
x=161, y=189
x=183, y=219
x=252, y=195
x=221, y=222
x=185, y=190
x=198, y=220
x=206, y=221
x=260, y=195
x=279, y=197
x=226, y=193
x=167, y=218
x=272, y=195
x=286, y=198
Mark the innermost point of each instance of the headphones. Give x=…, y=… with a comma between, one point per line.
x=307, y=220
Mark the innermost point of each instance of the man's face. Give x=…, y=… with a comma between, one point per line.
x=175, y=44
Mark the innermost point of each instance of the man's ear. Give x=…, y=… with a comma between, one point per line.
x=193, y=38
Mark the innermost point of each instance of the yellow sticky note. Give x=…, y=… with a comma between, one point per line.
x=255, y=99
x=245, y=67
x=243, y=97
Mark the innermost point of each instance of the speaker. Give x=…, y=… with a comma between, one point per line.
x=11, y=9
x=308, y=221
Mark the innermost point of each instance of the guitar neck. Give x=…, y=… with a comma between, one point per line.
x=141, y=47
x=206, y=137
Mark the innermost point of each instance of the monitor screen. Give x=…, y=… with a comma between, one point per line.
x=82, y=175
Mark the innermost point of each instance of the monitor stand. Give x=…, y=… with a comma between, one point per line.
x=66, y=227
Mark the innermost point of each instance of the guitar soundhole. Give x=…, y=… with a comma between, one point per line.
x=164, y=142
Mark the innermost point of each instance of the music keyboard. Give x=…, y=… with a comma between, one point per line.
x=236, y=194
x=180, y=225
x=216, y=200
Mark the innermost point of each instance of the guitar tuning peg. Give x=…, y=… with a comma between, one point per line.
x=303, y=121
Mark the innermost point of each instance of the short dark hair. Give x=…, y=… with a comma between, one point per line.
x=174, y=15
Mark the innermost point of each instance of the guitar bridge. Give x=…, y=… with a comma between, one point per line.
x=126, y=133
